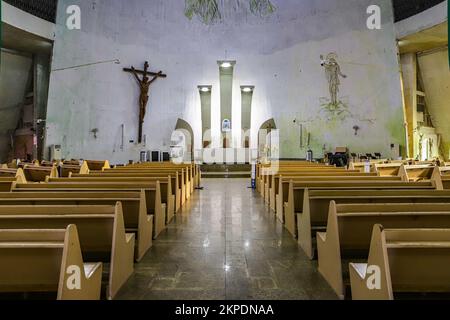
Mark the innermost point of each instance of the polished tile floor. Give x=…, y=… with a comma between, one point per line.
x=226, y=244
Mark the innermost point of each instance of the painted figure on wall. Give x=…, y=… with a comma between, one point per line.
x=333, y=74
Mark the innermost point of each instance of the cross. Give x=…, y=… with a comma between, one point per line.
x=144, y=85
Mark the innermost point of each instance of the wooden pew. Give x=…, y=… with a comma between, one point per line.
x=183, y=178
x=416, y=172
x=295, y=203
x=67, y=169
x=441, y=176
x=165, y=183
x=267, y=177
x=175, y=184
x=349, y=231
x=186, y=170
x=361, y=166
x=388, y=169
x=38, y=260
x=276, y=190
x=101, y=232
x=409, y=260
x=15, y=173
x=133, y=203
x=45, y=163
x=266, y=173
x=179, y=176
x=22, y=164
x=316, y=204
x=39, y=174
x=73, y=162
x=192, y=168
x=279, y=195
x=152, y=192
x=97, y=164
x=277, y=167
x=7, y=184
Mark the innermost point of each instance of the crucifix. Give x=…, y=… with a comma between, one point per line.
x=144, y=85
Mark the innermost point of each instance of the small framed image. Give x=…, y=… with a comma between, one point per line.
x=226, y=125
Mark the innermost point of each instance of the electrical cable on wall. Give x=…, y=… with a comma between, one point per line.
x=116, y=61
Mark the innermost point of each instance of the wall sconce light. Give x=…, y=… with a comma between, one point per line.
x=247, y=89
x=205, y=89
x=226, y=64
x=356, y=128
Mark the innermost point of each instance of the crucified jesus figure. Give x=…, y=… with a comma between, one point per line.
x=144, y=86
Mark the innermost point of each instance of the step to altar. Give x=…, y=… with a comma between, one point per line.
x=226, y=171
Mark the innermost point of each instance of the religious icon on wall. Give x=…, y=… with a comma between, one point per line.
x=144, y=86
x=226, y=125
x=333, y=74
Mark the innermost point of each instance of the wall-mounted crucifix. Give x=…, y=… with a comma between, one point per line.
x=144, y=85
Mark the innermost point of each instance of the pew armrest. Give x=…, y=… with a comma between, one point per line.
x=322, y=236
x=91, y=268
x=360, y=269
x=129, y=237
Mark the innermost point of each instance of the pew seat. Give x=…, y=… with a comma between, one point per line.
x=39, y=174
x=101, y=231
x=406, y=261
x=316, y=203
x=136, y=218
x=167, y=195
x=349, y=231
x=152, y=192
x=38, y=260
x=294, y=205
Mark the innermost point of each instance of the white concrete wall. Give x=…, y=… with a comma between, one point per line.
x=15, y=75
x=279, y=55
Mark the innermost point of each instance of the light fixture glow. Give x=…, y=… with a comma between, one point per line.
x=247, y=89
x=226, y=64
x=205, y=89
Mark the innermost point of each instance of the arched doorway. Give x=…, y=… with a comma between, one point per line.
x=183, y=141
x=264, y=138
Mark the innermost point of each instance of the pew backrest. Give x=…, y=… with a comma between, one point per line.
x=101, y=229
x=409, y=260
x=50, y=253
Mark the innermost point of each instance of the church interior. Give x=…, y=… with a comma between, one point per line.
x=247, y=150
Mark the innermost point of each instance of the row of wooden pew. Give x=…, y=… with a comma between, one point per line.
x=109, y=215
x=38, y=171
x=364, y=226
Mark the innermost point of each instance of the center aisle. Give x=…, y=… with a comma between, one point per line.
x=225, y=245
